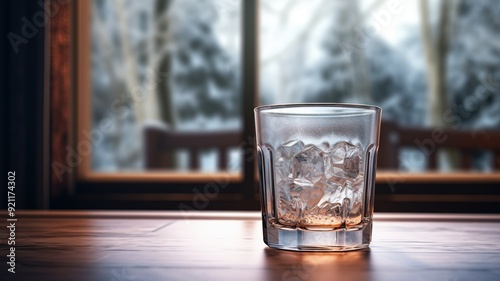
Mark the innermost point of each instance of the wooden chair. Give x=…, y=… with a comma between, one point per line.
x=432, y=140
x=160, y=145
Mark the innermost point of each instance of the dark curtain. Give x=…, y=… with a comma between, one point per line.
x=22, y=94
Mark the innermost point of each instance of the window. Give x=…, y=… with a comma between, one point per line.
x=164, y=91
x=430, y=65
x=208, y=131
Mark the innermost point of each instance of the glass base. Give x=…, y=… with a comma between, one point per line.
x=326, y=240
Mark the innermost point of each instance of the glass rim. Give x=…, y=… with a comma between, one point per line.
x=361, y=107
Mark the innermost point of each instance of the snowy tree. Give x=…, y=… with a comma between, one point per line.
x=205, y=79
x=118, y=80
x=474, y=65
x=341, y=76
x=161, y=61
x=399, y=95
x=436, y=46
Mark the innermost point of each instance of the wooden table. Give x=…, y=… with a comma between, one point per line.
x=126, y=246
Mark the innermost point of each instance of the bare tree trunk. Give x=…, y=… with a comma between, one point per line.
x=129, y=58
x=163, y=94
x=163, y=89
x=361, y=85
x=106, y=46
x=443, y=42
x=436, y=51
x=151, y=80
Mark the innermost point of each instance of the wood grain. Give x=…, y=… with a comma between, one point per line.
x=60, y=90
x=228, y=246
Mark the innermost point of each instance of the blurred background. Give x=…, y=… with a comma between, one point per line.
x=426, y=63
x=123, y=104
x=184, y=58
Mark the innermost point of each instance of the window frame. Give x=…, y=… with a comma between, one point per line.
x=83, y=119
x=77, y=187
x=69, y=78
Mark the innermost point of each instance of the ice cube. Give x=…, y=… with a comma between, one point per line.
x=302, y=182
x=284, y=189
x=289, y=212
x=328, y=208
x=343, y=200
x=355, y=214
x=325, y=146
x=346, y=206
x=289, y=204
x=333, y=190
x=310, y=197
x=358, y=183
x=304, y=197
x=283, y=163
x=319, y=185
x=355, y=192
x=351, y=165
x=308, y=165
x=343, y=161
x=296, y=190
x=290, y=148
x=283, y=169
x=356, y=186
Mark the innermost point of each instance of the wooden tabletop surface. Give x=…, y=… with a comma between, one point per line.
x=135, y=246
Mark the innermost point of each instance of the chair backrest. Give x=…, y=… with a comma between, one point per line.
x=432, y=140
x=160, y=145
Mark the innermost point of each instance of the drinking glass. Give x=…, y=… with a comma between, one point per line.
x=317, y=167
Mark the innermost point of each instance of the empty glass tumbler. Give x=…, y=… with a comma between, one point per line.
x=317, y=167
